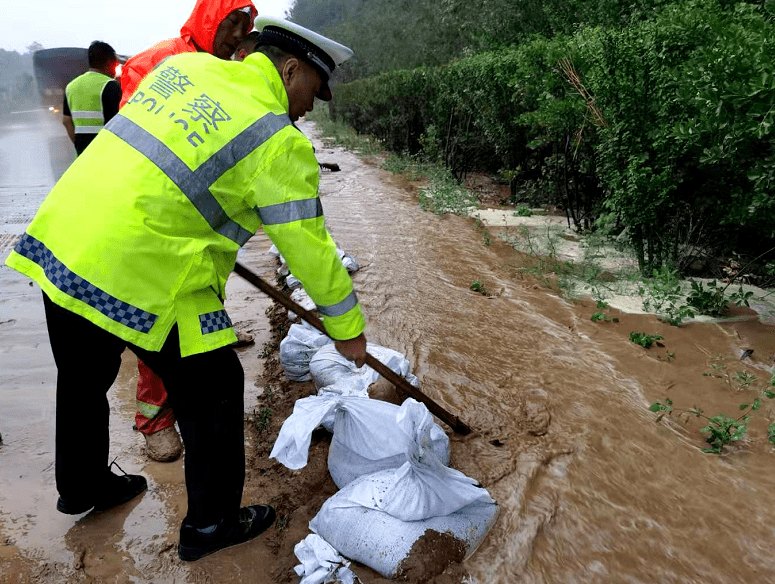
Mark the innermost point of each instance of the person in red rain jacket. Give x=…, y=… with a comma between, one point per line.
x=215, y=27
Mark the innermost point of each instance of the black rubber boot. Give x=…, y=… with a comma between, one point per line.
x=197, y=542
x=114, y=490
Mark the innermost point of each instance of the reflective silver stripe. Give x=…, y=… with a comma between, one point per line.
x=290, y=211
x=339, y=308
x=87, y=115
x=195, y=184
x=88, y=129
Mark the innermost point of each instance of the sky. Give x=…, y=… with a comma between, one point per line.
x=129, y=27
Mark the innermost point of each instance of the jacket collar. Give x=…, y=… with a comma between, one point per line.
x=264, y=66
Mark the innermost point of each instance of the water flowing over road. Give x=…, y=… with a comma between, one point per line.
x=591, y=489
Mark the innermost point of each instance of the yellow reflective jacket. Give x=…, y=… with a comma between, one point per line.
x=84, y=98
x=143, y=229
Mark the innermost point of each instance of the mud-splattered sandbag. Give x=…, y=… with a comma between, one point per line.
x=292, y=282
x=300, y=297
x=335, y=373
x=320, y=563
x=366, y=435
x=298, y=348
x=386, y=519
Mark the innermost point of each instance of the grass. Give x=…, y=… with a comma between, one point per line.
x=339, y=134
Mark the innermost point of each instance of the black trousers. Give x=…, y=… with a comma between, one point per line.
x=205, y=392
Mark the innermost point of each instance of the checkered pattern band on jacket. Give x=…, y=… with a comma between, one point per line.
x=80, y=289
x=214, y=321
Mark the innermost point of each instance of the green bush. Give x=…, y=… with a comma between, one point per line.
x=662, y=126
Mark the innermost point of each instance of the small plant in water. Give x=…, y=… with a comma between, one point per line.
x=523, y=211
x=602, y=316
x=721, y=429
x=482, y=229
x=477, y=286
x=713, y=300
x=645, y=340
x=744, y=379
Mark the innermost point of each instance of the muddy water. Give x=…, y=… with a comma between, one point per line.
x=591, y=488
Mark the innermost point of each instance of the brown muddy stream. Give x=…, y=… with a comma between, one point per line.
x=590, y=488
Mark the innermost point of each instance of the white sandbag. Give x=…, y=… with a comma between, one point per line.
x=300, y=297
x=320, y=562
x=292, y=281
x=366, y=433
x=372, y=435
x=298, y=348
x=347, y=261
x=422, y=487
x=291, y=448
x=382, y=542
x=273, y=251
x=335, y=373
x=377, y=518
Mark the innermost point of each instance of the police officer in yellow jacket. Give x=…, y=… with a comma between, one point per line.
x=133, y=247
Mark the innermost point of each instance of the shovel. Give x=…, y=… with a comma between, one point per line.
x=401, y=384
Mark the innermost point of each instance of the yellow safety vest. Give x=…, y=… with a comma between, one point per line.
x=143, y=229
x=84, y=98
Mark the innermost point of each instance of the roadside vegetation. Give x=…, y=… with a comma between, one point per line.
x=649, y=124
x=647, y=120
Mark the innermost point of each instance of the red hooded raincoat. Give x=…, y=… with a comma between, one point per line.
x=197, y=34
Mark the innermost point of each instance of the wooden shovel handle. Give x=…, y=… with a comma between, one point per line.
x=402, y=384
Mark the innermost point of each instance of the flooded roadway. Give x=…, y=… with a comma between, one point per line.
x=136, y=542
x=591, y=489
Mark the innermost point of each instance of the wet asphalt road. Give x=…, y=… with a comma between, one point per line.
x=36, y=542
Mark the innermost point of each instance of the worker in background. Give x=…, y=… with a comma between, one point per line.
x=92, y=99
x=192, y=175
x=215, y=27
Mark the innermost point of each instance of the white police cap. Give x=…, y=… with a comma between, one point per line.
x=321, y=52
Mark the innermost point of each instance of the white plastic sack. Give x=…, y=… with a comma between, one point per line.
x=347, y=261
x=333, y=372
x=382, y=542
x=377, y=518
x=371, y=435
x=300, y=297
x=320, y=563
x=367, y=436
x=298, y=348
x=292, y=281
x=423, y=486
